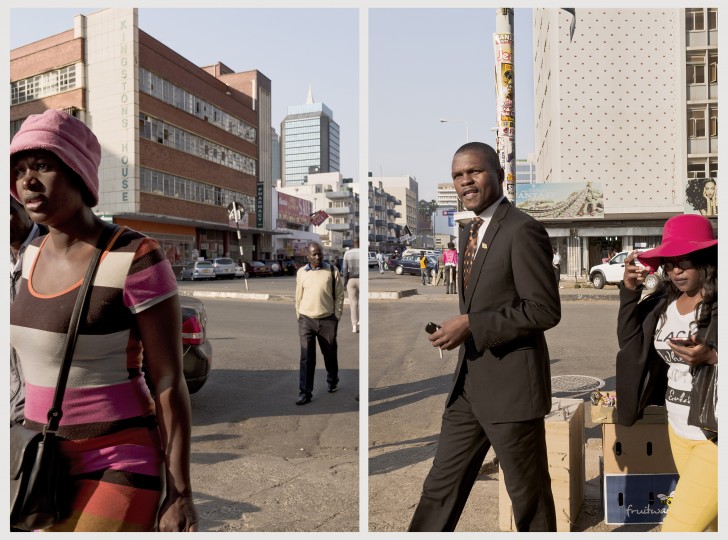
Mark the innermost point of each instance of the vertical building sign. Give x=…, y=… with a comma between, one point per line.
x=259, y=205
x=113, y=105
x=505, y=98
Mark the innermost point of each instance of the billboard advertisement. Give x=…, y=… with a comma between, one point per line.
x=562, y=200
x=701, y=197
x=293, y=209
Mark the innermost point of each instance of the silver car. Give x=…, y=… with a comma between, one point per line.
x=224, y=267
x=197, y=270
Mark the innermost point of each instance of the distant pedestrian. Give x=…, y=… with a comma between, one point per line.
x=424, y=270
x=556, y=263
x=380, y=262
x=440, y=276
x=450, y=257
x=319, y=305
x=351, y=282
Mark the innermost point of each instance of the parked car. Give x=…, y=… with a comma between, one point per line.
x=410, y=264
x=275, y=267
x=196, y=349
x=290, y=266
x=612, y=272
x=372, y=259
x=240, y=272
x=197, y=270
x=258, y=269
x=224, y=267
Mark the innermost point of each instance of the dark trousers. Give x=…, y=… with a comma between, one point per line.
x=464, y=442
x=557, y=271
x=324, y=331
x=450, y=279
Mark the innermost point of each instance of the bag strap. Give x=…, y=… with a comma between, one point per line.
x=333, y=283
x=55, y=412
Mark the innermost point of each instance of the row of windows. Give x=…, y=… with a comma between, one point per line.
x=166, y=91
x=305, y=139
x=696, y=67
x=45, y=84
x=695, y=19
x=290, y=132
x=159, y=131
x=697, y=121
x=292, y=161
x=313, y=143
x=699, y=170
x=302, y=123
x=169, y=185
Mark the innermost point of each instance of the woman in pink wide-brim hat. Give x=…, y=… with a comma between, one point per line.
x=663, y=338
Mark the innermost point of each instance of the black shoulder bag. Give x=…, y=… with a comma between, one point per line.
x=39, y=486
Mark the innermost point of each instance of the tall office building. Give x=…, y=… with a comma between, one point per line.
x=309, y=142
x=626, y=100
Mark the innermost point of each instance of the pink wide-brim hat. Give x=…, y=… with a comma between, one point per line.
x=68, y=138
x=681, y=235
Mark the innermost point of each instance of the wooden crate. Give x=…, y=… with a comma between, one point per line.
x=565, y=447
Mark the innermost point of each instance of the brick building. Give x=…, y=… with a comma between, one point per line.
x=179, y=142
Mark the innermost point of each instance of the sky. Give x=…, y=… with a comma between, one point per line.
x=294, y=48
x=424, y=65
x=431, y=64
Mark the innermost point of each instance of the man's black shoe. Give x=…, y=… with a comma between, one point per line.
x=333, y=388
x=303, y=400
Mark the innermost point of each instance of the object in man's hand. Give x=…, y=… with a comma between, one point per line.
x=683, y=342
x=431, y=328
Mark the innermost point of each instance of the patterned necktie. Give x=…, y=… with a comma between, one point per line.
x=470, y=249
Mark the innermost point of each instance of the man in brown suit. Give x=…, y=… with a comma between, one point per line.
x=508, y=298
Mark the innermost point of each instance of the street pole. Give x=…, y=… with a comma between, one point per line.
x=503, y=43
x=237, y=218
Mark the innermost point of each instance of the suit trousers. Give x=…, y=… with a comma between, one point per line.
x=352, y=289
x=310, y=331
x=464, y=441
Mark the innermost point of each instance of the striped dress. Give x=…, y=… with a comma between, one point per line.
x=108, y=431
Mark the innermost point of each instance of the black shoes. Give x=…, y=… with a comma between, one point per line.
x=333, y=388
x=303, y=400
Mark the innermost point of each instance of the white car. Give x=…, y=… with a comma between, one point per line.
x=373, y=259
x=612, y=272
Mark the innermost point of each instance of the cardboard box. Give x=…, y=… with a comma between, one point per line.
x=653, y=414
x=637, y=498
x=565, y=447
x=638, y=449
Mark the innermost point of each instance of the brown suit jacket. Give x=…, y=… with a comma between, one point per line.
x=512, y=298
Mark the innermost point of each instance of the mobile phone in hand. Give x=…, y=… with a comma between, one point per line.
x=431, y=327
x=683, y=342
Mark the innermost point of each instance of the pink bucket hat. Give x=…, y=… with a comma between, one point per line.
x=68, y=138
x=681, y=235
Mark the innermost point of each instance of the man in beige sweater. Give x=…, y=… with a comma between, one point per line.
x=319, y=304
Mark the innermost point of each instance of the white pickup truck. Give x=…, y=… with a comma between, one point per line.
x=612, y=272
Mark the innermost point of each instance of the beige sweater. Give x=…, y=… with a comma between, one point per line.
x=314, y=297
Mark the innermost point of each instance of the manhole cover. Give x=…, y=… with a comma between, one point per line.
x=575, y=383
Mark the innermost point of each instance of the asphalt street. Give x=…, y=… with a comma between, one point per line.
x=259, y=461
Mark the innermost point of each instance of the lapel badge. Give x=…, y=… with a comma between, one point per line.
x=484, y=245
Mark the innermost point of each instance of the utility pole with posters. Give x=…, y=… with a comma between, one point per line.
x=505, y=95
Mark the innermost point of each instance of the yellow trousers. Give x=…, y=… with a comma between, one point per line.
x=694, y=506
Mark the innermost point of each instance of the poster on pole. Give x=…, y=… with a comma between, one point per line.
x=505, y=108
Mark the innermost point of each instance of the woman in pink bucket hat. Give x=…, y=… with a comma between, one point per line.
x=122, y=447
x=662, y=338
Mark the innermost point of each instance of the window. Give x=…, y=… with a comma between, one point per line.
x=714, y=170
x=696, y=170
x=696, y=69
x=713, y=113
x=695, y=19
x=712, y=19
x=713, y=67
x=696, y=123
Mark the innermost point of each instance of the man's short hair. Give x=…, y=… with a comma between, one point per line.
x=490, y=154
